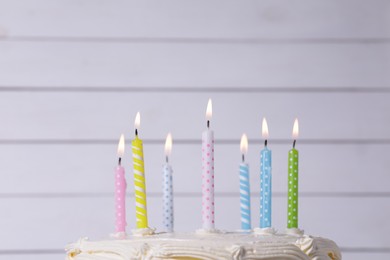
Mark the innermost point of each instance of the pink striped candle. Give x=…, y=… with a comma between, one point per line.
x=208, y=173
x=120, y=190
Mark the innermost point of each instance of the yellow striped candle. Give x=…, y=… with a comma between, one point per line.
x=139, y=178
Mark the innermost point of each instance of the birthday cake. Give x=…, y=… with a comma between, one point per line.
x=207, y=243
x=213, y=246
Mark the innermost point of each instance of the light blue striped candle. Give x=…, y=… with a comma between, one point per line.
x=245, y=197
x=265, y=188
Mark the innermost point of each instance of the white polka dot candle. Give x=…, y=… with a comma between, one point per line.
x=245, y=192
x=292, y=218
x=265, y=181
x=168, y=220
x=120, y=190
x=208, y=173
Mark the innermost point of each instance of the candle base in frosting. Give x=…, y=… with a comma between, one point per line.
x=119, y=235
x=140, y=232
x=295, y=231
x=264, y=231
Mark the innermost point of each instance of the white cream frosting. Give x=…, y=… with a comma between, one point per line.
x=264, y=231
x=140, y=232
x=213, y=246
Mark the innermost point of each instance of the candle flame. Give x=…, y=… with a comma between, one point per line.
x=209, y=110
x=295, y=129
x=168, y=145
x=264, y=129
x=121, y=146
x=244, y=144
x=137, y=121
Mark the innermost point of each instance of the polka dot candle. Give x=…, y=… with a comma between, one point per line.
x=120, y=196
x=120, y=191
x=292, y=202
x=208, y=174
x=265, y=188
x=168, y=219
x=292, y=220
x=265, y=181
x=167, y=198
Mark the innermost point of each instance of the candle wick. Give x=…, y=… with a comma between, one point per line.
x=166, y=159
x=208, y=123
x=136, y=132
x=243, y=157
x=294, y=143
x=265, y=142
x=119, y=161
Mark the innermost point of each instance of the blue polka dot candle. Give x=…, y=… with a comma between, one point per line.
x=245, y=196
x=292, y=210
x=168, y=188
x=265, y=181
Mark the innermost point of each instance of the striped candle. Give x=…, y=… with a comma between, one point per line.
x=265, y=181
x=139, y=178
x=245, y=198
x=292, y=218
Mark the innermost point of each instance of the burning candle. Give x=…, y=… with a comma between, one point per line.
x=245, y=197
x=208, y=173
x=120, y=190
x=139, y=178
x=265, y=180
x=292, y=218
x=168, y=188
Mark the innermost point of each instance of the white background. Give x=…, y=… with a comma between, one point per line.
x=73, y=74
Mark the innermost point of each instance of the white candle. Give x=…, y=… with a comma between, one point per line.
x=168, y=218
x=208, y=173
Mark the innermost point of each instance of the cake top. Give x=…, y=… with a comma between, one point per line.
x=229, y=245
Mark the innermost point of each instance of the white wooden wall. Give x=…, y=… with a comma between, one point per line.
x=73, y=73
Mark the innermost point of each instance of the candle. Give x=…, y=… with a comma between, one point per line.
x=139, y=178
x=120, y=190
x=292, y=217
x=208, y=173
x=265, y=181
x=245, y=197
x=168, y=188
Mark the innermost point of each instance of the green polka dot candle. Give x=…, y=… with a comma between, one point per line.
x=293, y=155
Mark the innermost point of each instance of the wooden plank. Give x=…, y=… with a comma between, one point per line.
x=74, y=170
x=333, y=116
x=186, y=65
x=65, y=220
x=196, y=19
